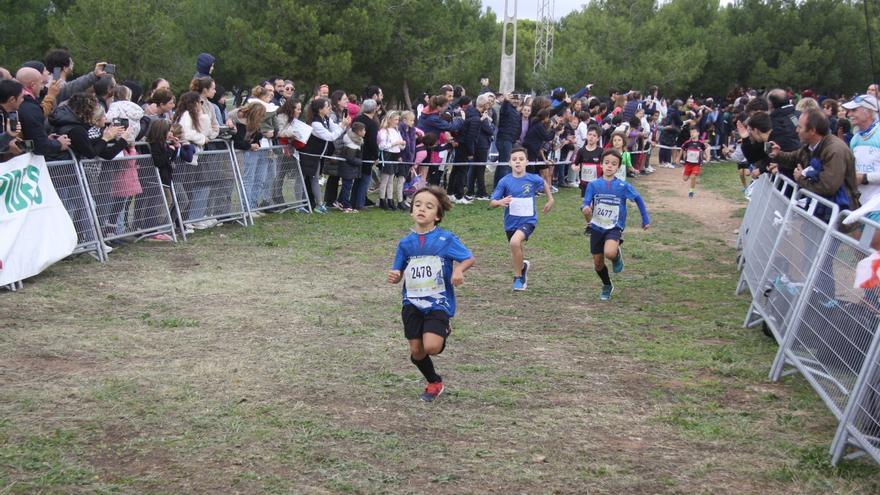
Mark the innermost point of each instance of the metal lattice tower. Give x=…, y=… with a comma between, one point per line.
x=544, y=34
x=508, y=60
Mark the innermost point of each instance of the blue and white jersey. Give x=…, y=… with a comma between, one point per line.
x=865, y=146
x=522, y=209
x=425, y=261
x=608, y=198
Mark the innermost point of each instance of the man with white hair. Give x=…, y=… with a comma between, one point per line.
x=865, y=144
x=31, y=116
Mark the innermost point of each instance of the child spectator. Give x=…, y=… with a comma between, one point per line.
x=516, y=193
x=604, y=207
x=391, y=144
x=424, y=260
x=350, y=170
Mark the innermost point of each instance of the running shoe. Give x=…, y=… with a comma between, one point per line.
x=482, y=198
x=525, y=274
x=606, y=292
x=463, y=201
x=320, y=209
x=554, y=189
x=432, y=391
x=518, y=284
x=618, y=263
x=691, y=195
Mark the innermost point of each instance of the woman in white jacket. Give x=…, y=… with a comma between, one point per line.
x=197, y=130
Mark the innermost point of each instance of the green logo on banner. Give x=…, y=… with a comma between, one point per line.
x=19, y=189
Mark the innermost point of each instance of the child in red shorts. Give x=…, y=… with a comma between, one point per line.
x=693, y=153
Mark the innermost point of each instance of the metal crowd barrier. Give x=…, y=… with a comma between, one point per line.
x=72, y=187
x=211, y=188
x=827, y=330
x=757, y=202
x=129, y=202
x=762, y=235
x=272, y=179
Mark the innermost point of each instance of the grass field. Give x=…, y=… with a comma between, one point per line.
x=271, y=360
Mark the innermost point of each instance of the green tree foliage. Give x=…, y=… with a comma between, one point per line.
x=410, y=46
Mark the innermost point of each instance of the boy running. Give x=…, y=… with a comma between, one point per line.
x=424, y=261
x=693, y=153
x=604, y=207
x=516, y=193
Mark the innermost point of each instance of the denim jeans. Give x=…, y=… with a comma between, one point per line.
x=345, y=193
x=502, y=168
x=254, y=175
x=359, y=194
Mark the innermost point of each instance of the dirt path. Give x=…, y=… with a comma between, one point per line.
x=714, y=211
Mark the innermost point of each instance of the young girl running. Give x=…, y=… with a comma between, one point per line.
x=424, y=260
x=391, y=144
x=618, y=144
x=604, y=207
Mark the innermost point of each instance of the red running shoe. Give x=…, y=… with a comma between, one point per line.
x=432, y=391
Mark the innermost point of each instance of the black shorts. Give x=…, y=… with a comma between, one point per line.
x=526, y=229
x=598, y=238
x=743, y=166
x=416, y=323
x=536, y=169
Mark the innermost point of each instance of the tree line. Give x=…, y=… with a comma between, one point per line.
x=411, y=46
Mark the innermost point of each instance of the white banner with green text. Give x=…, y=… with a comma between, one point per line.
x=35, y=229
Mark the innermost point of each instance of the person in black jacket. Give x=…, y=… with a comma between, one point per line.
x=464, y=152
x=369, y=151
x=485, y=135
x=509, y=128
x=785, y=120
x=76, y=119
x=31, y=116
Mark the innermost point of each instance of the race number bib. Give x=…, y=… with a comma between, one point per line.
x=693, y=156
x=424, y=276
x=522, y=207
x=867, y=158
x=588, y=173
x=605, y=215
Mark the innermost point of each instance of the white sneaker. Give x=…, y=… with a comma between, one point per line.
x=650, y=169
x=463, y=201
x=204, y=224
x=451, y=198
x=107, y=249
x=553, y=189
x=188, y=230
x=257, y=214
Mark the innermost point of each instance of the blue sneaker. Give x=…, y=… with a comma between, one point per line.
x=606, y=292
x=618, y=263
x=518, y=283
x=321, y=209
x=525, y=271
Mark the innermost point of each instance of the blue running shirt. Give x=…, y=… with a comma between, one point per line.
x=522, y=209
x=608, y=200
x=425, y=261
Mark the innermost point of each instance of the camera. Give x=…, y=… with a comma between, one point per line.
x=226, y=133
x=120, y=122
x=344, y=113
x=110, y=69
x=768, y=147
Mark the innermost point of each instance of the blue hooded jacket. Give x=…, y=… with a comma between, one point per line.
x=203, y=64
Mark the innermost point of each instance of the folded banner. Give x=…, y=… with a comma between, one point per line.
x=35, y=229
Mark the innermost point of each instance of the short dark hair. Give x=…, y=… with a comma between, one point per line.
x=443, y=203
x=371, y=91
x=10, y=88
x=594, y=128
x=757, y=105
x=57, y=58
x=519, y=149
x=612, y=152
x=103, y=85
x=760, y=121
x=816, y=121
x=464, y=100
x=357, y=126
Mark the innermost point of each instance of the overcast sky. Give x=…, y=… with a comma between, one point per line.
x=528, y=9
